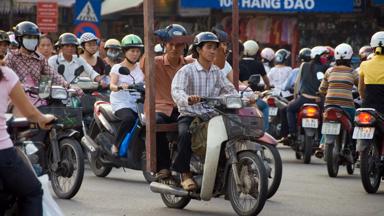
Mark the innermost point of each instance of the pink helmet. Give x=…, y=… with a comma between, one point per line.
x=268, y=54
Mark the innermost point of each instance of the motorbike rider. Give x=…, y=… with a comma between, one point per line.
x=191, y=82
x=371, y=81
x=90, y=44
x=123, y=102
x=267, y=56
x=158, y=49
x=68, y=57
x=26, y=62
x=280, y=72
x=4, y=44
x=289, y=85
x=45, y=47
x=17, y=177
x=114, y=54
x=310, y=74
x=166, y=67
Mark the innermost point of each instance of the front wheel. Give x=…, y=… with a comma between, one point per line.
x=370, y=171
x=308, y=140
x=251, y=198
x=66, y=181
x=272, y=161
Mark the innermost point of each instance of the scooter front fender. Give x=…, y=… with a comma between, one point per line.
x=69, y=133
x=267, y=138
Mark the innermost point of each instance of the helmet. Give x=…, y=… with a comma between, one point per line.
x=204, y=37
x=318, y=51
x=26, y=28
x=268, y=54
x=158, y=48
x=4, y=36
x=343, y=52
x=112, y=43
x=377, y=39
x=305, y=55
x=370, y=56
x=365, y=51
x=250, y=48
x=221, y=35
x=170, y=32
x=281, y=56
x=132, y=41
x=68, y=39
x=88, y=36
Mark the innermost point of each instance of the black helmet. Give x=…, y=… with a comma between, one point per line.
x=221, y=35
x=204, y=37
x=68, y=39
x=4, y=36
x=170, y=32
x=305, y=55
x=26, y=28
x=281, y=56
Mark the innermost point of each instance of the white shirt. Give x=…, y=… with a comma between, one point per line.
x=227, y=68
x=70, y=67
x=125, y=99
x=278, y=75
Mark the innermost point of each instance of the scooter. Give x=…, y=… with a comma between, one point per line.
x=102, y=131
x=231, y=166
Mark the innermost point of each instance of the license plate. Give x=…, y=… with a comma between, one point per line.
x=273, y=111
x=363, y=132
x=310, y=123
x=331, y=128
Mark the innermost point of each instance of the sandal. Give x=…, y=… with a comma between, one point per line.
x=187, y=182
x=163, y=174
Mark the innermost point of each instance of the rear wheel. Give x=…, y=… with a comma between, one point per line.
x=370, y=170
x=98, y=168
x=272, y=161
x=308, y=141
x=251, y=198
x=332, y=152
x=172, y=201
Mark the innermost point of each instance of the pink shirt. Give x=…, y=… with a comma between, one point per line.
x=6, y=85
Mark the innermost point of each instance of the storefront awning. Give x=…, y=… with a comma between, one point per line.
x=63, y=3
x=322, y=6
x=112, y=6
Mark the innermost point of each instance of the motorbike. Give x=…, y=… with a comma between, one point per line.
x=231, y=166
x=63, y=158
x=339, y=147
x=368, y=131
x=102, y=131
x=18, y=129
x=308, y=134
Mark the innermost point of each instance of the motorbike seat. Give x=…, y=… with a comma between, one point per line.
x=106, y=110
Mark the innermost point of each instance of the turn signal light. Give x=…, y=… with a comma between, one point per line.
x=364, y=118
x=310, y=111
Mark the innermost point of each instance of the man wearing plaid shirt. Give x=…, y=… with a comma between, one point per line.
x=198, y=79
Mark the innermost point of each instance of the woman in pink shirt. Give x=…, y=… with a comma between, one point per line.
x=15, y=174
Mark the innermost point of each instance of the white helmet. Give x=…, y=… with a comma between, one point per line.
x=88, y=36
x=268, y=54
x=158, y=48
x=250, y=48
x=343, y=52
x=318, y=51
x=377, y=39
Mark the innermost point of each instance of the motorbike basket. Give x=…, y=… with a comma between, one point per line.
x=238, y=126
x=68, y=116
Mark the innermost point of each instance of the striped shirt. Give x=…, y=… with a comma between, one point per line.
x=193, y=79
x=337, y=85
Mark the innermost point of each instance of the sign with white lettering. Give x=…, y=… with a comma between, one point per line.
x=276, y=5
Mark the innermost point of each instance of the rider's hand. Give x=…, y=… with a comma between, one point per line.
x=125, y=85
x=193, y=99
x=45, y=122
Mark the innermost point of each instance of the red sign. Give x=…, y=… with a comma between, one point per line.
x=87, y=27
x=47, y=13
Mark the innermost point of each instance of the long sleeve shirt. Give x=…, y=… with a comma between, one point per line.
x=193, y=79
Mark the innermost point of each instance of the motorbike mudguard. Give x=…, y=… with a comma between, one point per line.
x=310, y=131
x=216, y=135
x=329, y=139
x=361, y=145
x=69, y=133
x=267, y=138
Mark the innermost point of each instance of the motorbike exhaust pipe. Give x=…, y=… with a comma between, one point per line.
x=167, y=189
x=90, y=145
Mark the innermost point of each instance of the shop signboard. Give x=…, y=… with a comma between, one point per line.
x=324, y=6
x=46, y=16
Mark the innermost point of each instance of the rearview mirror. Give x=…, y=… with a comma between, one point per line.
x=79, y=70
x=254, y=80
x=124, y=71
x=61, y=69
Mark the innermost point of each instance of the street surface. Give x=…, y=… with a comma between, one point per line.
x=305, y=190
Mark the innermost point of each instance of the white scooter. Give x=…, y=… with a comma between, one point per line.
x=231, y=166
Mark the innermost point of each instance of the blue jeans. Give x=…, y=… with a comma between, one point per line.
x=263, y=106
x=19, y=179
x=292, y=110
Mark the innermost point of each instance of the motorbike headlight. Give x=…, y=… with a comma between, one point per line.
x=59, y=93
x=233, y=102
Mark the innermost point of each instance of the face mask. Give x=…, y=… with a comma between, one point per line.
x=323, y=60
x=30, y=44
x=113, y=54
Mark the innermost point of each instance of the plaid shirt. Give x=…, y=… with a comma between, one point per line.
x=35, y=65
x=193, y=79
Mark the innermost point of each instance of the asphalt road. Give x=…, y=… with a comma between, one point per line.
x=305, y=190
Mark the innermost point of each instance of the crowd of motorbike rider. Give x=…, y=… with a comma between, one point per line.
x=181, y=81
